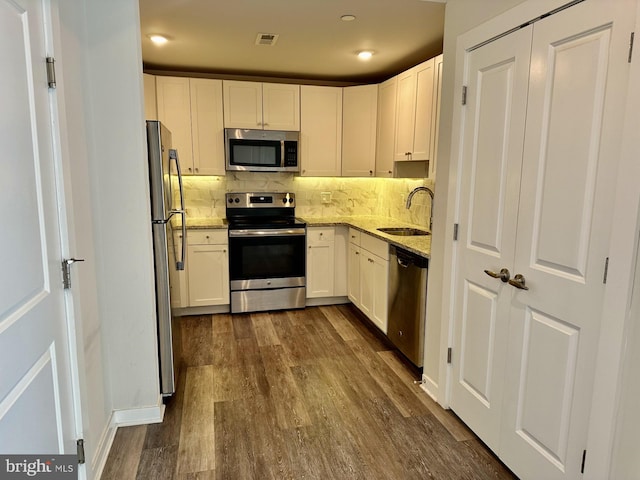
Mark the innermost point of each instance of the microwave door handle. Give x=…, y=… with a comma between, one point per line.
x=282, y=153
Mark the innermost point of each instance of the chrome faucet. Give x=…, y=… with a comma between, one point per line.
x=430, y=192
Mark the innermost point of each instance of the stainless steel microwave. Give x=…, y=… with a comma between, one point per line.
x=261, y=150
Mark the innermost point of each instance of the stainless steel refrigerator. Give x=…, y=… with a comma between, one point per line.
x=167, y=200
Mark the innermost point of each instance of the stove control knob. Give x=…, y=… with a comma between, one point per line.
x=237, y=200
x=291, y=200
x=284, y=200
x=230, y=200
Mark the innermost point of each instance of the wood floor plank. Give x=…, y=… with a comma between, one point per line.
x=289, y=407
x=263, y=329
x=167, y=433
x=455, y=427
x=124, y=457
x=344, y=328
x=196, y=449
x=158, y=463
x=330, y=400
x=395, y=389
x=197, y=333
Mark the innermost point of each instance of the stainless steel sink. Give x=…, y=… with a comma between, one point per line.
x=404, y=232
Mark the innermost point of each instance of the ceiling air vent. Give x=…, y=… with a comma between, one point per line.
x=269, y=39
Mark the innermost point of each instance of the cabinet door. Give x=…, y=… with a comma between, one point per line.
x=242, y=104
x=435, y=126
x=379, y=313
x=321, y=131
x=150, y=106
x=320, y=271
x=387, y=93
x=414, y=106
x=405, y=115
x=174, y=110
x=359, y=120
x=207, y=126
x=341, y=262
x=208, y=275
x=425, y=75
x=281, y=106
x=367, y=283
x=353, y=274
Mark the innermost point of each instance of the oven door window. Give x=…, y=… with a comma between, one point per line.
x=266, y=257
x=255, y=153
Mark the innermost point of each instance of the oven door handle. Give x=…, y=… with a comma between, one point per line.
x=269, y=232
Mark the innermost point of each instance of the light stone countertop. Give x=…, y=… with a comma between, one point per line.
x=420, y=245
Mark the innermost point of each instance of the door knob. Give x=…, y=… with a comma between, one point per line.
x=518, y=282
x=503, y=274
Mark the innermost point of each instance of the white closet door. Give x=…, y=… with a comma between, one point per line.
x=578, y=86
x=491, y=154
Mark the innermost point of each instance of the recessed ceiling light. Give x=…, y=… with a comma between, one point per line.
x=348, y=18
x=158, y=39
x=365, y=54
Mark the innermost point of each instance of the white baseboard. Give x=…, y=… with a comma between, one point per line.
x=430, y=387
x=138, y=416
x=101, y=453
x=317, y=302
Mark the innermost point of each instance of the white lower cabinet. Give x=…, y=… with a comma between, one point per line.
x=368, y=276
x=208, y=268
x=326, y=262
x=320, y=262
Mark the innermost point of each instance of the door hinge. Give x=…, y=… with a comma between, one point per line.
x=464, y=95
x=51, y=72
x=80, y=448
x=606, y=270
x=455, y=232
x=449, y=354
x=66, y=270
x=631, y=38
x=584, y=458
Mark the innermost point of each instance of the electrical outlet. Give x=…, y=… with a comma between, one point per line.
x=325, y=197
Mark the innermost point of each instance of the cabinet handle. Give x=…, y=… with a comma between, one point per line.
x=197, y=170
x=370, y=172
x=518, y=282
x=357, y=253
x=503, y=275
x=389, y=172
x=224, y=250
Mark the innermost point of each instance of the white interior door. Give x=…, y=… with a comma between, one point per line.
x=576, y=98
x=497, y=79
x=36, y=408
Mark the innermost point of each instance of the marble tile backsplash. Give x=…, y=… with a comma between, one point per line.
x=204, y=195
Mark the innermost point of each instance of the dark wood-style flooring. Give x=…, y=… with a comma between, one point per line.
x=305, y=394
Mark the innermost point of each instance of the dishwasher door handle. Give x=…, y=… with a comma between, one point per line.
x=403, y=264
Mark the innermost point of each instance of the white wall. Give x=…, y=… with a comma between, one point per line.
x=104, y=147
x=120, y=203
x=460, y=16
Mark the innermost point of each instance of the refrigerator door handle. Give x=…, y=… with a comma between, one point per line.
x=173, y=155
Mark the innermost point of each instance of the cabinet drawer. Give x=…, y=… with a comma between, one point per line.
x=375, y=245
x=208, y=237
x=320, y=235
x=354, y=236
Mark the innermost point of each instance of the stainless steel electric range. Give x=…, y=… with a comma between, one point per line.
x=267, y=252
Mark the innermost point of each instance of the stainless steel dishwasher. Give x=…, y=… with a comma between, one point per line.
x=407, y=302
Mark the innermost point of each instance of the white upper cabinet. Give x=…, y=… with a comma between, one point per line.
x=359, y=119
x=191, y=108
x=263, y=106
x=321, y=131
x=385, y=141
x=415, y=113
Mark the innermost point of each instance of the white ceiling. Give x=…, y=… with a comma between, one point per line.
x=211, y=36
